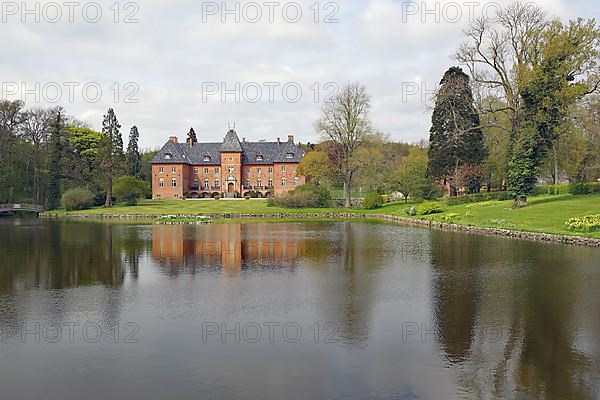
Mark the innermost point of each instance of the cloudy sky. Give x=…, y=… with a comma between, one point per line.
x=166, y=65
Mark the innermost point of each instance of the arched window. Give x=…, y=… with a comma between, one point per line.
x=283, y=182
x=168, y=156
x=206, y=158
x=260, y=158
x=174, y=182
x=161, y=182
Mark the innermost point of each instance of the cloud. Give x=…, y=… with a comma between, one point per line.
x=177, y=49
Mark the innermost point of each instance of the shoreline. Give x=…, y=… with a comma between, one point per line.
x=295, y=217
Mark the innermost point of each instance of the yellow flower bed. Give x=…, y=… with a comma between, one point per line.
x=588, y=223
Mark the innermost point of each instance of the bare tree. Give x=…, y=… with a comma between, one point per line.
x=36, y=130
x=499, y=50
x=344, y=120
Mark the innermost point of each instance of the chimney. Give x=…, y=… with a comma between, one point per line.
x=173, y=139
x=291, y=138
x=278, y=140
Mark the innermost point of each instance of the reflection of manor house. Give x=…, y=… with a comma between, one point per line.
x=225, y=246
x=230, y=169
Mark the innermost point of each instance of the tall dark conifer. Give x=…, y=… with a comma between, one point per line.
x=110, y=153
x=134, y=163
x=455, y=137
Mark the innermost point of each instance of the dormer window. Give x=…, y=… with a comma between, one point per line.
x=290, y=156
x=260, y=158
x=168, y=156
x=207, y=158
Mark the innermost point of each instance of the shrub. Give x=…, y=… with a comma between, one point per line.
x=430, y=207
x=372, y=201
x=585, y=188
x=588, y=223
x=77, y=199
x=411, y=211
x=130, y=189
x=478, y=197
x=307, y=196
x=553, y=190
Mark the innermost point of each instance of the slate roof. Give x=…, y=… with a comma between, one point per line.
x=210, y=153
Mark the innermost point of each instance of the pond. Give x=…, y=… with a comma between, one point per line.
x=332, y=310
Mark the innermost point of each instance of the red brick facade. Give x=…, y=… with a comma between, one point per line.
x=241, y=169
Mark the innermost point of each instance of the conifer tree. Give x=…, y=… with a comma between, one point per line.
x=110, y=154
x=56, y=150
x=134, y=163
x=455, y=137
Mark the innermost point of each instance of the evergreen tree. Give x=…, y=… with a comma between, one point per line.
x=455, y=137
x=54, y=194
x=110, y=153
x=134, y=162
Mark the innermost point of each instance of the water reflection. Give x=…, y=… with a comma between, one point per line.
x=512, y=319
x=511, y=326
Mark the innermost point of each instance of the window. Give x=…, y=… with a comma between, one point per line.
x=247, y=183
x=231, y=170
x=271, y=170
x=217, y=183
x=168, y=156
x=206, y=184
x=296, y=182
x=196, y=182
x=289, y=156
x=174, y=182
x=206, y=171
x=296, y=168
x=260, y=158
x=270, y=183
x=161, y=182
x=174, y=170
x=248, y=171
x=259, y=183
x=158, y=196
x=283, y=168
x=217, y=170
x=258, y=170
x=161, y=170
x=206, y=158
x=283, y=182
x=196, y=170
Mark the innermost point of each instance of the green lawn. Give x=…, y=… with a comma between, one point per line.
x=544, y=214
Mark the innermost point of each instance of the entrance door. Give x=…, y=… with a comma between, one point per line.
x=230, y=188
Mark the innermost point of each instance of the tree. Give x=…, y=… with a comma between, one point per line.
x=317, y=168
x=455, y=137
x=56, y=152
x=134, y=161
x=36, y=131
x=345, y=122
x=410, y=178
x=551, y=90
x=130, y=189
x=11, y=119
x=111, y=151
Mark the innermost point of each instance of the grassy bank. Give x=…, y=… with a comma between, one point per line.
x=546, y=214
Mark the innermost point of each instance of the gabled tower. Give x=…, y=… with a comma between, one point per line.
x=231, y=164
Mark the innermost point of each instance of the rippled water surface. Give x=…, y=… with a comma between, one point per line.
x=333, y=310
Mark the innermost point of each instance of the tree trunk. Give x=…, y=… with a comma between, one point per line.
x=347, y=197
x=556, y=178
x=108, y=202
